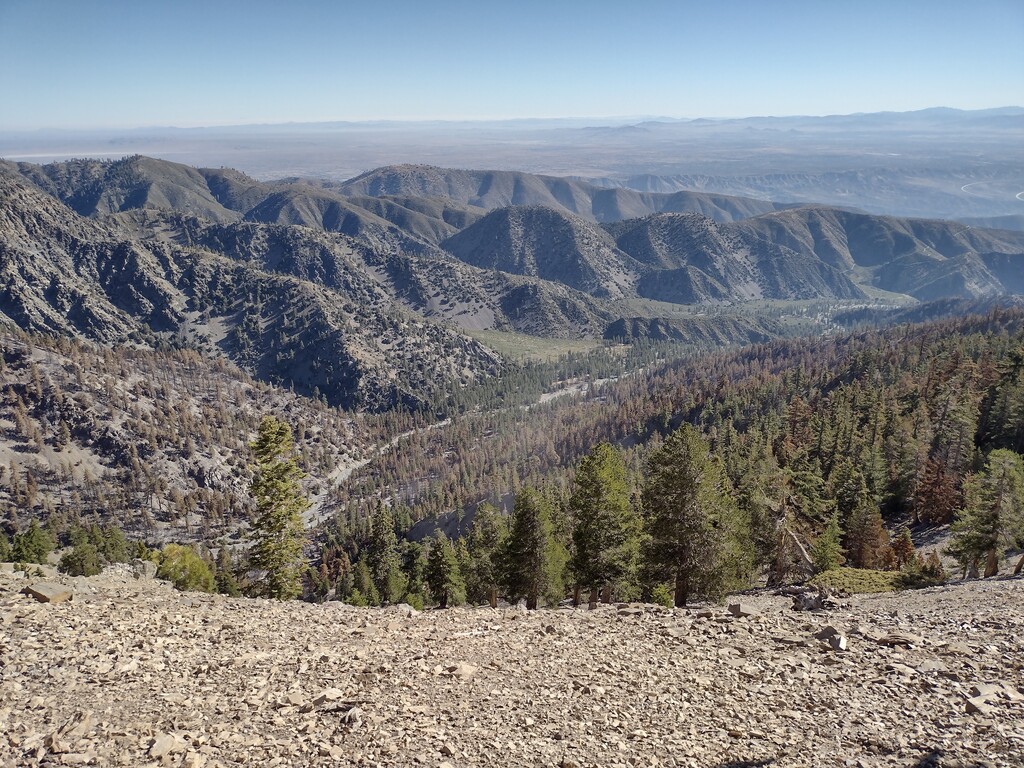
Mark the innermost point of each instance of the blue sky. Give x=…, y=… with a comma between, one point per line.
x=111, y=63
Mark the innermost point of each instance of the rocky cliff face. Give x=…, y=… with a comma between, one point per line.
x=295, y=308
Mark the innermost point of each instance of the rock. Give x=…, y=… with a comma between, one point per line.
x=144, y=569
x=47, y=592
x=741, y=610
x=826, y=632
x=327, y=695
x=979, y=705
x=808, y=601
x=985, y=690
x=462, y=670
x=837, y=642
x=165, y=744
x=900, y=639
x=404, y=609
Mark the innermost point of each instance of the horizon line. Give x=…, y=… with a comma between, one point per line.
x=626, y=119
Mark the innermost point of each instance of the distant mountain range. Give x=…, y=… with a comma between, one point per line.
x=932, y=163
x=359, y=291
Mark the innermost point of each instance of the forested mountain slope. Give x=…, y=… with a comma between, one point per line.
x=804, y=426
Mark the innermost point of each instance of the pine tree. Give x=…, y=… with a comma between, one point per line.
x=867, y=542
x=483, y=545
x=605, y=533
x=277, y=530
x=443, y=575
x=936, y=498
x=530, y=555
x=382, y=556
x=226, y=582
x=699, y=536
x=827, y=552
x=364, y=591
x=414, y=571
x=903, y=547
x=992, y=517
x=32, y=545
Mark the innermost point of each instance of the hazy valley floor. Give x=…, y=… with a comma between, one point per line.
x=132, y=673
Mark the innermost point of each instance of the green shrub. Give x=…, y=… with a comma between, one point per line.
x=185, y=569
x=33, y=544
x=854, y=580
x=357, y=599
x=662, y=595
x=415, y=599
x=82, y=560
x=920, y=572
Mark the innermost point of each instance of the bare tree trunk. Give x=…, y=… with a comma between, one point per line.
x=991, y=564
x=801, y=550
x=493, y=597
x=576, y=596
x=593, y=598
x=682, y=590
x=1020, y=567
x=606, y=594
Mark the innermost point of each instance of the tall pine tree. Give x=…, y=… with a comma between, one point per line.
x=277, y=530
x=530, y=557
x=992, y=517
x=699, y=537
x=443, y=575
x=605, y=533
x=382, y=556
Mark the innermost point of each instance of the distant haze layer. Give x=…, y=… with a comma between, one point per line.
x=936, y=162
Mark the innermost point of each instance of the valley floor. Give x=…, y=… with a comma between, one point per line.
x=131, y=673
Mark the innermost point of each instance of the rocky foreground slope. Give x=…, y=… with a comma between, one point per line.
x=131, y=673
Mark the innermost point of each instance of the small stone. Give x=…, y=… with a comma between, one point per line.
x=462, y=670
x=900, y=638
x=328, y=694
x=164, y=744
x=826, y=632
x=985, y=690
x=741, y=610
x=447, y=750
x=838, y=642
x=979, y=705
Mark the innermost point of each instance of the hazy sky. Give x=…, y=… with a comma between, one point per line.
x=125, y=63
